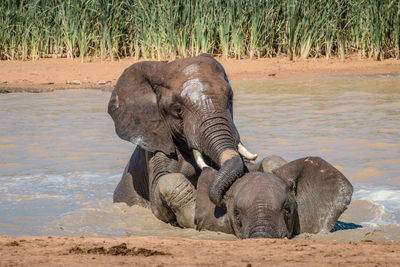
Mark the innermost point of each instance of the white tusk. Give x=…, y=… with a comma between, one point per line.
x=199, y=159
x=245, y=153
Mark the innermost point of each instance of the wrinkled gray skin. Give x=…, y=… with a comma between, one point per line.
x=304, y=196
x=169, y=109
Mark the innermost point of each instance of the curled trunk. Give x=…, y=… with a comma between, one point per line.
x=230, y=171
x=222, y=149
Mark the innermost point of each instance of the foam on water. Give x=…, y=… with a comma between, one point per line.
x=385, y=203
x=389, y=196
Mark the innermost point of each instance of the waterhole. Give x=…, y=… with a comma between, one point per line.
x=60, y=158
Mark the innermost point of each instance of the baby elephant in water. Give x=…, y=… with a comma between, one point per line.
x=305, y=195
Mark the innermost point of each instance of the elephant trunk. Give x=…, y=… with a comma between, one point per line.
x=230, y=171
x=222, y=149
x=268, y=231
x=264, y=223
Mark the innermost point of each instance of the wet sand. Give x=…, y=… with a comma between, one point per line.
x=74, y=251
x=50, y=74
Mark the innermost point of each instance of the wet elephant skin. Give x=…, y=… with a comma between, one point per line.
x=303, y=196
x=170, y=109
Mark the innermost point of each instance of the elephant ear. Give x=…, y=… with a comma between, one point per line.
x=133, y=107
x=207, y=215
x=322, y=192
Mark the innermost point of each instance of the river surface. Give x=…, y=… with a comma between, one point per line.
x=60, y=158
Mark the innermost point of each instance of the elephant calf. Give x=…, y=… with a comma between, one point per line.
x=307, y=195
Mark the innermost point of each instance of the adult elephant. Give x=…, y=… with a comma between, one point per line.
x=177, y=113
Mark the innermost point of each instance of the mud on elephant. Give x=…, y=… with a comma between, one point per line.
x=177, y=113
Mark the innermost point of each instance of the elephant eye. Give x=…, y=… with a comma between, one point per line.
x=176, y=109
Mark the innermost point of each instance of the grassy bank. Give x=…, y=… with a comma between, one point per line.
x=158, y=29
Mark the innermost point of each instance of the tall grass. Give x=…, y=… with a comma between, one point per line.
x=168, y=29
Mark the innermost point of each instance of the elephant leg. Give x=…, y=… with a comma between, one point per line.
x=266, y=165
x=173, y=199
x=133, y=188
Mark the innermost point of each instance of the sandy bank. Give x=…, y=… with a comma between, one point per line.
x=51, y=74
x=73, y=251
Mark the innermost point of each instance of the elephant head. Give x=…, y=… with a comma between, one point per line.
x=185, y=106
x=305, y=195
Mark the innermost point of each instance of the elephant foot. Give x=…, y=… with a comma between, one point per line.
x=174, y=200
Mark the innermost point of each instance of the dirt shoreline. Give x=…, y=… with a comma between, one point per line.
x=88, y=251
x=52, y=74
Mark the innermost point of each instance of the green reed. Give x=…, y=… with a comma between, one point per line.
x=169, y=29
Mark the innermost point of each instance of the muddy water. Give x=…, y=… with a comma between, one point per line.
x=60, y=159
